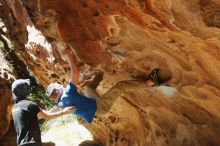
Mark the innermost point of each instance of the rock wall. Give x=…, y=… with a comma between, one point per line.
x=127, y=39
x=6, y=78
x=5, y=106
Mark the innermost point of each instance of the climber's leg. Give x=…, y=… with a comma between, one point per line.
x=90, y=88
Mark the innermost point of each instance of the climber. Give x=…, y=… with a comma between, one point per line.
x=158, y=79
x=25, y=114
x=85, y=104
x=152, y=80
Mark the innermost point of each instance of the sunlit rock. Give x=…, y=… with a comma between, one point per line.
x=128, y=39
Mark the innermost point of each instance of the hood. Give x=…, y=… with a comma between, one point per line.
x=20, y=89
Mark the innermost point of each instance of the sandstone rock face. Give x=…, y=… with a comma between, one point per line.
x=127, y=39
x=6, y=77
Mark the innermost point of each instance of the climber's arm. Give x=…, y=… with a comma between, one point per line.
x=72, y=60
x=74, y=69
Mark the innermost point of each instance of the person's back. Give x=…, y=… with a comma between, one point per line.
x=26, y=123
x=85, y=107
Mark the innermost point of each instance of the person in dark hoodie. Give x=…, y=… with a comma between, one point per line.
x=26, y=113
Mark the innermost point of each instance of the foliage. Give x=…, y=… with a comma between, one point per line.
x=39, y=96
x=65, y=131
x=61, y=121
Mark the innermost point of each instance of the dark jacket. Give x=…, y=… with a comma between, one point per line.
x=24, y=114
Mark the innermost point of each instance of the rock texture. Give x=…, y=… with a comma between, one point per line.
x=6, y=76
x=127, y=39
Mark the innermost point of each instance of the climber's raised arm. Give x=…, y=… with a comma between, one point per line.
x=72, y=61
x=74, y=69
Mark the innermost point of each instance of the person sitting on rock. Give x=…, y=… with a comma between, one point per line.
x=153, y=78
x=85, y=104
x=158, y=78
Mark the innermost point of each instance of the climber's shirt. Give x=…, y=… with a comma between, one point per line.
x=26, y=123
x=85, y=107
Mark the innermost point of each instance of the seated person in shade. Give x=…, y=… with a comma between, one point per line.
x=70, y=96
x=158, y=78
